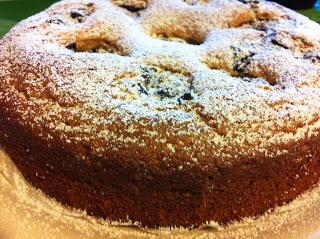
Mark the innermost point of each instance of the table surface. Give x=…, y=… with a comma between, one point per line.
x=12, y=11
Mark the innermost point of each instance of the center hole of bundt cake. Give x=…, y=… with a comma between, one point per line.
x=157, y=84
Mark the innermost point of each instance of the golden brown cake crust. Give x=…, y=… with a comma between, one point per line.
x=169, y=113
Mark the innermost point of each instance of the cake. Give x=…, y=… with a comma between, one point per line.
x=164, y=113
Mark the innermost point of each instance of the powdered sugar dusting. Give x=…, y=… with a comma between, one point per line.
x=223, y=76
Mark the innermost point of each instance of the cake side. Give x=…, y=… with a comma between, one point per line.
x=119, y=189
x=298, y=219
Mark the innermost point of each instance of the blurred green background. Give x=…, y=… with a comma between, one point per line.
x=12, y=11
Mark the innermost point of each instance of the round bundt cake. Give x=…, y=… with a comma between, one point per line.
x=164, y=112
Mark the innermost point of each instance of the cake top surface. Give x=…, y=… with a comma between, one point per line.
x=180, y=82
